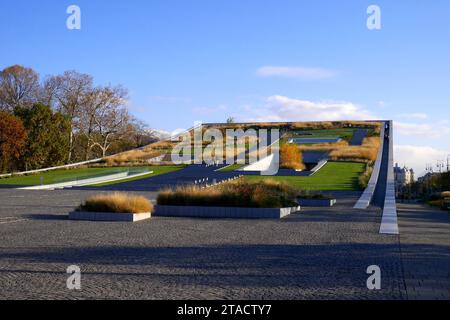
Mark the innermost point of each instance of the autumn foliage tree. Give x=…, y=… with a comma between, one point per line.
x=291, y=157
x=12, y=141
x=67, y=118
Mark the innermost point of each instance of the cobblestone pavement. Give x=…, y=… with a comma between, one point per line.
x=318, y=254
x=425, y=239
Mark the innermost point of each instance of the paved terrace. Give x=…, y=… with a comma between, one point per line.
x=319, y=254
x=185, y=176
x=358, y=137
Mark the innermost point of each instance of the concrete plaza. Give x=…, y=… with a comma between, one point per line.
x=318, y=254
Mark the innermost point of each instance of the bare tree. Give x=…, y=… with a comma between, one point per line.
x=110, y=117
x=19, y=87
x=69, y=93
x=140, y=134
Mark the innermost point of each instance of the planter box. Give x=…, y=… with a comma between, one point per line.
x=224, y=212
x=316, y=202
x=107, y=216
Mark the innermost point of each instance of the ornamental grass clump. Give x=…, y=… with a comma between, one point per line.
x=342, y=151
x=117, y=203
x=239, y=193
x=364, y=178
x=291, y=157
x=141, y=155
x=368, y=151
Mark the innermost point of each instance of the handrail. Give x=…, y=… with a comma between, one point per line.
x=51, y=168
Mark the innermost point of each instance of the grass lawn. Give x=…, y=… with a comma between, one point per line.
x=333, y=176
x=346, y=133
x=232, y=168
x=64, y=175
x=57, y=176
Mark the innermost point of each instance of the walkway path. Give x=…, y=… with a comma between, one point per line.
x=358, y=137
x=321, y=253
x=380, y=191
x=425, y=245
x=318, y=254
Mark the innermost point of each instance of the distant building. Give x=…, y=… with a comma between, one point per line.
x=403, y=177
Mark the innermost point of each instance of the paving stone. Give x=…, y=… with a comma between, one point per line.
x=316, y=254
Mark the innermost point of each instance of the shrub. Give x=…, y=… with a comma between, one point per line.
x=364, y=179
x=266, y=194
x=446, y=204
x=291, y=157
x=13, y=139
x=324, y=146
x=435, y=197
x=443, y=203
x=117, y=203
x=441, y=200
x=141, y=155
x=368, y=151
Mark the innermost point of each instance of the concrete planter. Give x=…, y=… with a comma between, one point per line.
x=107, y=216
x=224, y=212
x=316, y=202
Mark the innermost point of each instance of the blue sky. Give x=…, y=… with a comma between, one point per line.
x=206, y=60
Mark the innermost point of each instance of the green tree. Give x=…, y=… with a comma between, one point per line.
x=48, y=137
x=231, y=120
x=445, y=181
x=12, y=140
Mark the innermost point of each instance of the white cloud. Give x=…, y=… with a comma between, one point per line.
x=417, y=157
x=382, y=104
x=296, y=72
x=435, y=131
x=418, y=115
x=281, y=108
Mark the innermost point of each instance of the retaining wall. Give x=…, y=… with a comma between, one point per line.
x=389, y=221
x=223, y=212
x=87, y=182
x=367, y=196
x=67, y=166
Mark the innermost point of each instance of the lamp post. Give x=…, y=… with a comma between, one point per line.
x=429, y=178
x=440, y=165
